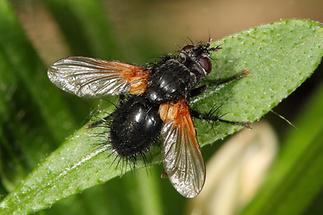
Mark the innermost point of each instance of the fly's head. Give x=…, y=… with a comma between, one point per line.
x=197, y=58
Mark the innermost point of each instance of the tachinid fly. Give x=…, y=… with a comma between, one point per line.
x=155, y=105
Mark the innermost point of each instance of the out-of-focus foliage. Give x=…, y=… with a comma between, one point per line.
x=28, y=102
x=85, y=27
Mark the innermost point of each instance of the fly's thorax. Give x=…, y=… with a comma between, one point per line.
x=170, y=81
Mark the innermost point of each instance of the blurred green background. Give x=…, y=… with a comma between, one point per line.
x=35, y=117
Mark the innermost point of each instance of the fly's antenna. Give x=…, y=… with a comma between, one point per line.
x=283, y=118
x=190, y=40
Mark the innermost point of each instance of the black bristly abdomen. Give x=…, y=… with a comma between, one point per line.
x=169, y=82
x=135, y=126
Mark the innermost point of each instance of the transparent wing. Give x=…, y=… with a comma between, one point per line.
x=183, y=161
x=91, y=77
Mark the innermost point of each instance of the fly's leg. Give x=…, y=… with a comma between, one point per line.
x=212, y=117
x=199, y=90
x=224, y=81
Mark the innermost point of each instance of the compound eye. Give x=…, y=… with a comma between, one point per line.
x=187, y=48
x=205, y=62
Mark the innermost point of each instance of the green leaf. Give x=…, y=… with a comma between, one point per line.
x=279, y=56
x=21, y=146
x=119, y=196
x=296, y=177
